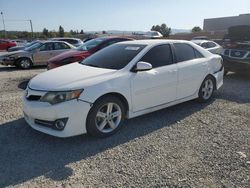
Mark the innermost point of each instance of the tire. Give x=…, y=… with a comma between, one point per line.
x=207, y=89
x=24, y=63
x=105, y=117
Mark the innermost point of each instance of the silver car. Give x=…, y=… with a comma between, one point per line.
x=37, y=54
x=211, y=46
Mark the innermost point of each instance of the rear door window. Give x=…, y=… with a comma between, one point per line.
x=159, y=56
x=46, y=47
x=185, y=52
x=60, y=46
x=211, y=45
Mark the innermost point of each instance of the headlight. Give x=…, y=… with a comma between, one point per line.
x=9, y=58
x=60, y=96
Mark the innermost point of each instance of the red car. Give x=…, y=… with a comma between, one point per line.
x=6, y=44
x=84, y=51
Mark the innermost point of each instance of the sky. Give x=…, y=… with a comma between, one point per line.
x=125, y=15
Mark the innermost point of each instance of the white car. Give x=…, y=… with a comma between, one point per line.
x=124, y=80
x=211, y=46
x=153, y=35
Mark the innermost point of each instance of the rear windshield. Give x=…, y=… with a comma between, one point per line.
x=114, y=57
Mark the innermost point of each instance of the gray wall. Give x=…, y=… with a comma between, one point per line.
x=222, y=24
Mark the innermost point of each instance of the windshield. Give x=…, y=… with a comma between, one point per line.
x=114, y=57
x=91, y=44
x=30, y=44
x=34, y=46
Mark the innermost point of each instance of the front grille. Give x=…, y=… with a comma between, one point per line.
x=238, y=53
x=34, y=98
x=226, y=52
x=44, y=123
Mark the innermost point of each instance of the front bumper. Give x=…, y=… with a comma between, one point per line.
x=236, y=65
x=7, y=61
x=76, y=111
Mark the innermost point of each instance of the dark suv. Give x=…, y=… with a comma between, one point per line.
x=236, y=57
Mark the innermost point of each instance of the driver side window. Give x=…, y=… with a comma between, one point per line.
x=159, y=56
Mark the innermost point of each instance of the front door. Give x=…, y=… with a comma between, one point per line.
x=44, y=53
x=158, y=85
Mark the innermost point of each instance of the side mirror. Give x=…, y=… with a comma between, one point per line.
x=142, y=66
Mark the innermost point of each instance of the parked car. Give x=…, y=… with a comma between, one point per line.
x=16, y=48
x=211, y=46
x=74, y=41
x=124, y=80
x=200, y=38
x=37, y=54
x=153, y=35
x=6, y=44
x=236, y=57
x=84, y=51
x=20, y=42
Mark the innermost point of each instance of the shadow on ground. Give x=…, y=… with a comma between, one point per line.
x=236, y=88
x=26, y=154
x=13, y=68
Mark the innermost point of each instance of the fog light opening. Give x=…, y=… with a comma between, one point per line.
x=60, y=124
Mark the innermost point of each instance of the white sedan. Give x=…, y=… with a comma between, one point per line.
x=124, y=80
x=211, y=46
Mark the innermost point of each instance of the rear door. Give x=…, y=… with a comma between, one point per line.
x=158, y=85
x=60, y=47
x=192, y=67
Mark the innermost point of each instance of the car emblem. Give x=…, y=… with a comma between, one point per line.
x=27, y=93
x=237, y=53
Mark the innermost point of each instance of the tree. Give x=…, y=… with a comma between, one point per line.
x=82, y=32
x=104, y=32
x=61, y=31
x=163, y=29
x=196, y=29
x=45, y=32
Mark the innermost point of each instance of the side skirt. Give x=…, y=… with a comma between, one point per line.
x=159, y=107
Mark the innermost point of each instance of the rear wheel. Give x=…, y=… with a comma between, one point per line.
x=105, y=117
x=207, y=89
x=24, y=63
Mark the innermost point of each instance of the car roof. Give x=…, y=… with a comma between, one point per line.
x=113, y=37
x=153, y=42
x=201, y=41
x=61, y=38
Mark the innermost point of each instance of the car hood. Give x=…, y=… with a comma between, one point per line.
x=16, y=53
x=70, y=77
x=67, y=54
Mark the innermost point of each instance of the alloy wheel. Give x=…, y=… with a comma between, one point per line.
x=25, y=63
x=108, y=117
x=207, y=89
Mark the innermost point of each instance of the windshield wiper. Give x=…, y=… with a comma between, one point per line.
x=91, y=65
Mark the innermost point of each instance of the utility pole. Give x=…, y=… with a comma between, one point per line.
x=3, y=25
x=31, y=27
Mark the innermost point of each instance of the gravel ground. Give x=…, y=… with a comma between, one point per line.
x=188, y=145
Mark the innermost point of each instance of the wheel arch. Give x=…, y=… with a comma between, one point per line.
x=119, y=96
x=24, y=57
x=214, y=80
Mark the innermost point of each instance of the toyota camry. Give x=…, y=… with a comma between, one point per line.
x=122, y=81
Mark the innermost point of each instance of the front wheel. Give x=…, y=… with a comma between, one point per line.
x=105, y=117
x=24, y=63
x=206, y=89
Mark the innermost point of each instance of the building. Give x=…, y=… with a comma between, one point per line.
x=222, y=24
